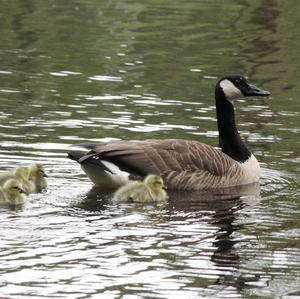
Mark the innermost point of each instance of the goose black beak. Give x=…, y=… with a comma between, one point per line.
x=253, y=91
x=165, y=187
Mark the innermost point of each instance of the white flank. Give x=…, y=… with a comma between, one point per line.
x=231, y=92
x=106, y=179
x=251, y=170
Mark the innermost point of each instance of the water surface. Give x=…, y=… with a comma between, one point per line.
x=84, y=70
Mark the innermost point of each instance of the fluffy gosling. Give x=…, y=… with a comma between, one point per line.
x=21, y=174
x=38, y=176
x=12, y=192
x=149, y=191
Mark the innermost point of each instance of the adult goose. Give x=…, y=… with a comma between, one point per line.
x=183, y=164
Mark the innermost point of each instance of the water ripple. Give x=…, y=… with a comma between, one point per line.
x=106, y=78
x=133, y=70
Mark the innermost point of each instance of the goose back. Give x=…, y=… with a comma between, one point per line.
x=183, y=164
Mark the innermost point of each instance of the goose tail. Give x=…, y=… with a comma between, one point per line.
x=101, y=172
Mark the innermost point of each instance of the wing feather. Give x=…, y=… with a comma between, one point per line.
x=183, y=164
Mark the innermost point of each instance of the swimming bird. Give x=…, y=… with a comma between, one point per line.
x=183, y=164
x=12, y=192
x=21, y=174
x=37, y=176
x=150, y=190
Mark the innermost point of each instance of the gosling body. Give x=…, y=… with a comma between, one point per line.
x=12, y=192
x=37, y=176
x=147, y=191
x=22, y=175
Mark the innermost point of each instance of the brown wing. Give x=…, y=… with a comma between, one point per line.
x=178, y=161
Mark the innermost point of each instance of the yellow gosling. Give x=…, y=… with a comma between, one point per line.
x=21, y=174
x=4, y=176
x=12, y=192
x=38, y=177
x=150, y=190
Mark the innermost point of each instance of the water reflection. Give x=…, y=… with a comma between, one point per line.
x=224, y=210
x=111, y=70
x=221, y=199
x=96, y=199
x=202, y=224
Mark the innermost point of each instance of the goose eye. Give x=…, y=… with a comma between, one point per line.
x=244, y=80
x=240, y=81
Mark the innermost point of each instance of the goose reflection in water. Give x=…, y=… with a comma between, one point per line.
x=220, y=213
x=97, y=198
x=226, y=205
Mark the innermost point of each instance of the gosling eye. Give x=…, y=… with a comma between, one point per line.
x=43, y=173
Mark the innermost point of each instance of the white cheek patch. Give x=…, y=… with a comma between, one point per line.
x=231, y=92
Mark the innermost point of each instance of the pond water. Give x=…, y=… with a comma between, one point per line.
x=72, y=71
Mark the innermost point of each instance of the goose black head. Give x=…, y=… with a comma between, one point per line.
x=236, y=86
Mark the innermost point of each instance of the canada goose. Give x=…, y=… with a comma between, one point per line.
x=183, y=164
x=12, y=192
x=150, y=190
x=37, y=176
x=21, y=174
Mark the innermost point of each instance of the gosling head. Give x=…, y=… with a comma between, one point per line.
x=236, y=86
x=37, y=170
x=13, y=187
x=22, y=173
x=155, y=182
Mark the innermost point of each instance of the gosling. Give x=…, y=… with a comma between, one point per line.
x=151, y=190
x=12, y=193
x=22, y=175
x=37, y=176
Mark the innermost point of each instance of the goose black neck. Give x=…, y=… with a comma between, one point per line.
x=229, y=137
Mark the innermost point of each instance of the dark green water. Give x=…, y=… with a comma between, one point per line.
x=72, y=71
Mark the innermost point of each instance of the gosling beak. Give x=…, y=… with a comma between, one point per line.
x=24, y=192
x=165, y=187
x=45, y=175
